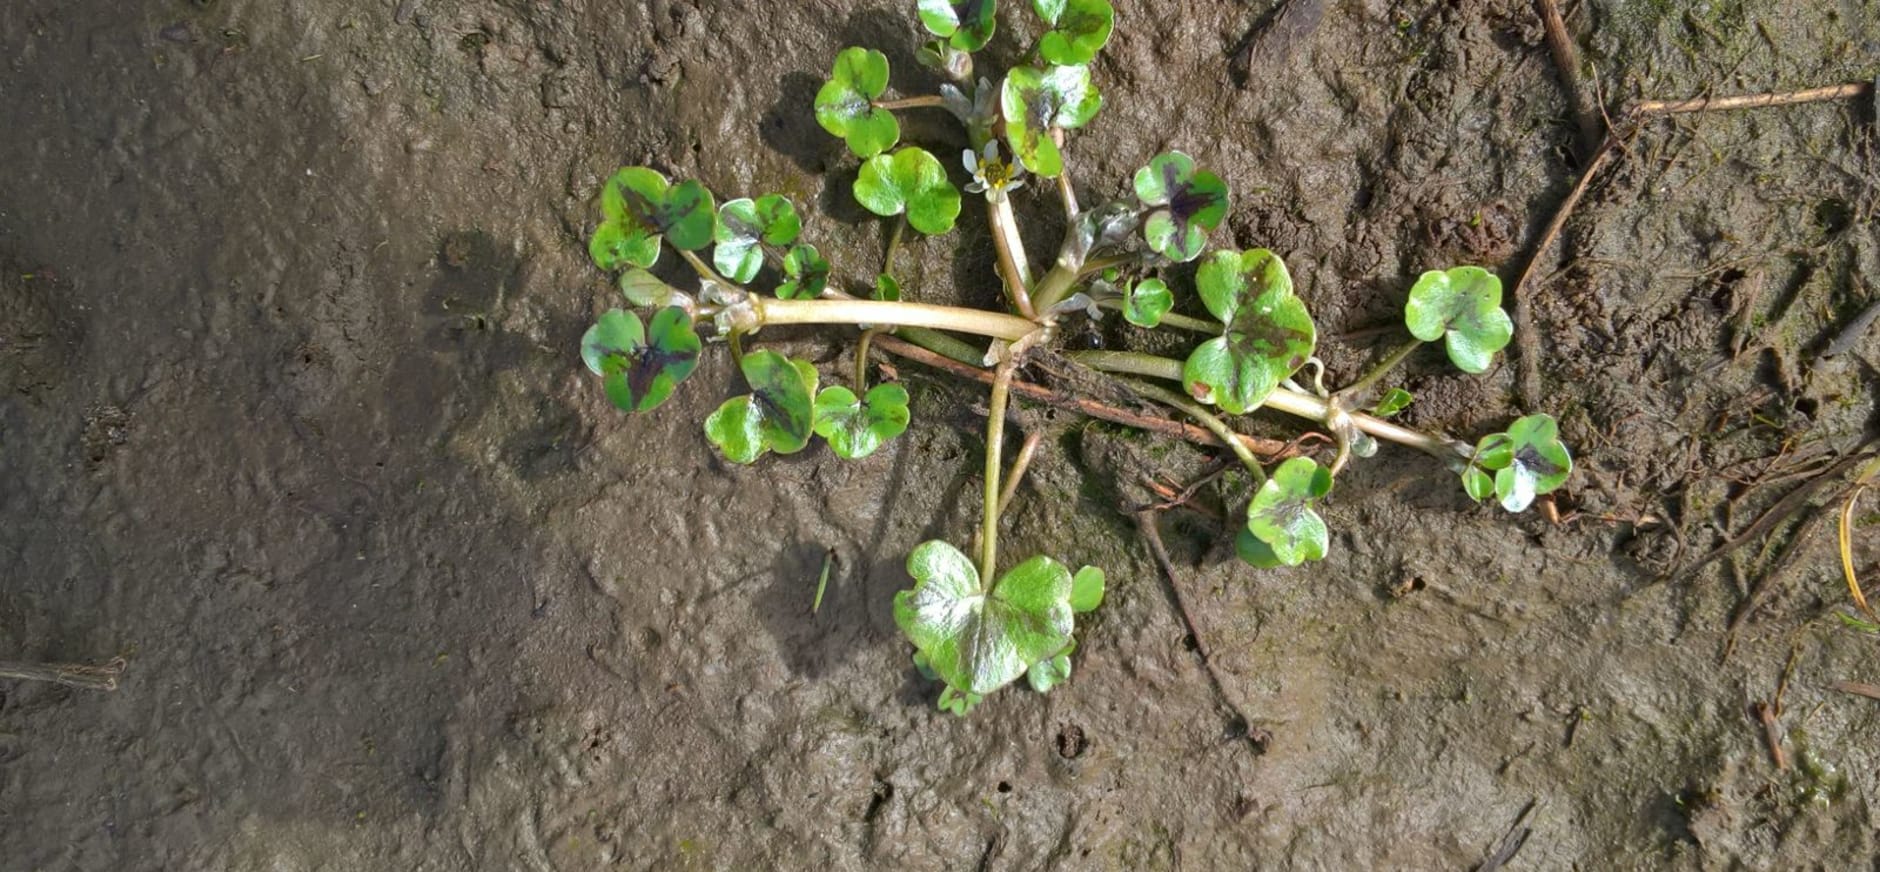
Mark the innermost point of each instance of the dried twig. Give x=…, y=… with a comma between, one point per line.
x=1772, y=733
x=1567, y=61
x=1511, y=841
x=1272, y=448
x=1752, y=101
x=69, y=674
x=1870, y=691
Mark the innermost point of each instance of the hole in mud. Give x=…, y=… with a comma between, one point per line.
x=1189, y=643
x=1071, y=742
x=1005, y=787
x=1833, y=216
x=884, y=792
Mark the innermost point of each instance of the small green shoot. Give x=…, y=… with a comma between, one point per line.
x=1036, y=100
x=1463, y=307
x=887, y=289
x=1526, y=461
x=856, y=427
x=1268, y=333
x=777, y=415
x=1051, y=671
x=805, y=273
x=845, y=105
x=966, y=25
x=822, y=581
x=1281, y=516
x=1145, y=302
x=745, y=226
x=1394, y=400
x=1187, y=204
x=913, y=182
x=979, y=639
x=640, y=367
x=1079, y=29
x=638, y=206
x=642, y=288
x=1087, y=588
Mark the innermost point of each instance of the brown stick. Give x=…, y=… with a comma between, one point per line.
x=69, y=674
x=1772, y=733
x=1870, y=691
x=1145, y=521
x=1752, y=101
x=1567, y=61
x=1272, y=448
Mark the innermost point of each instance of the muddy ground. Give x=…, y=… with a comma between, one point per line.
x=293, y=421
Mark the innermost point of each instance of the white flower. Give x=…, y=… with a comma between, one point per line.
x=992, y=175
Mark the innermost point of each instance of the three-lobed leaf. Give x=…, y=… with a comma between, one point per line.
x=1268, y=333
x=966, y=25
x=1145, y=302
x=913, y=182
x=641, y=364
x=638, y=207
x=977, y=640
x=845, y=105
x=1526, y=461
x=805, y=273
x=1461, y=306
x=855, y=427
x=777, y=415
x=1034, y=101
x=1394, y=400
x=1187, y=203
x=1281, y=515
x=1079, y=29
x=745, y=226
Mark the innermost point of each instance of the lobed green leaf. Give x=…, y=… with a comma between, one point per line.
x=967, y=25
x=856, y=427
x=805, y=272
x=1187, y=205
x=1268, y=333
x=913, y=182
x=1461, y=306
x=1145, y=302
x=979, y=641
x=1033, y=101
x=1079, y=29
x=845, y=104
x=745, y=226
x=640, y=365
x=1281, y=514
x=777, y=415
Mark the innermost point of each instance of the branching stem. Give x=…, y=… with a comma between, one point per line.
x=995, y=436
x=1202, y=416
x=1383, y=368
x=1179, y=322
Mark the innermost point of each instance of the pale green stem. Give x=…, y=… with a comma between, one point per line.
x=1097, y=265
x=883, y=313
x=704, y=270
x=861, y=360
x=923, y=102
x=894, y=245
x=1207, y=419
x=1013, y=266
x=995, y=436
x=1383, y=368
x=1179, y=322
x=1053, y=288
x=1284, y=400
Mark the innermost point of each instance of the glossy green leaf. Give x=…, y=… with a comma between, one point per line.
x=1478, y=484
x=777, y=415
x=910, y=181
x=805, y=273
x=856, y=427
x=638, y=206
x=1463, y=307
x=845, y=105
x=745, y=226
x=1051, y=671
x=887, y=289
x=980, y=641
x=966, y=25
x=1034, y=101
x=1395, y=400
x=640, y=364
x=1254, y=552
x=1187, y=203
x=1281, y=514
x=1079, y=29
x=1145, y=302
x=1527, y=461
x=1087, y=589
x=1268, y=333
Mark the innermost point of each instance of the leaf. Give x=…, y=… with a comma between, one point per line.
x=1051, y=671
x=638, y=206
x=1086, y=590
x=1034, y=101
x=1395, y=400
x=855, y=428
x=1477, y=484
x=1188, y=204
x=910, y=181
x=805, y=272
x=777, y=415
x=1463, y=307
x=887, y=289
x=1281, y=514
x=640, y=365
x=745, y=226
x=959, y=702
x=1079, y=29
x=845, y=105
x=1268, y=333
x=1146, y=302
x=1527, y=461
x=1255, y=552
x=966, y=25
x=642, y=288
x=980, y=641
